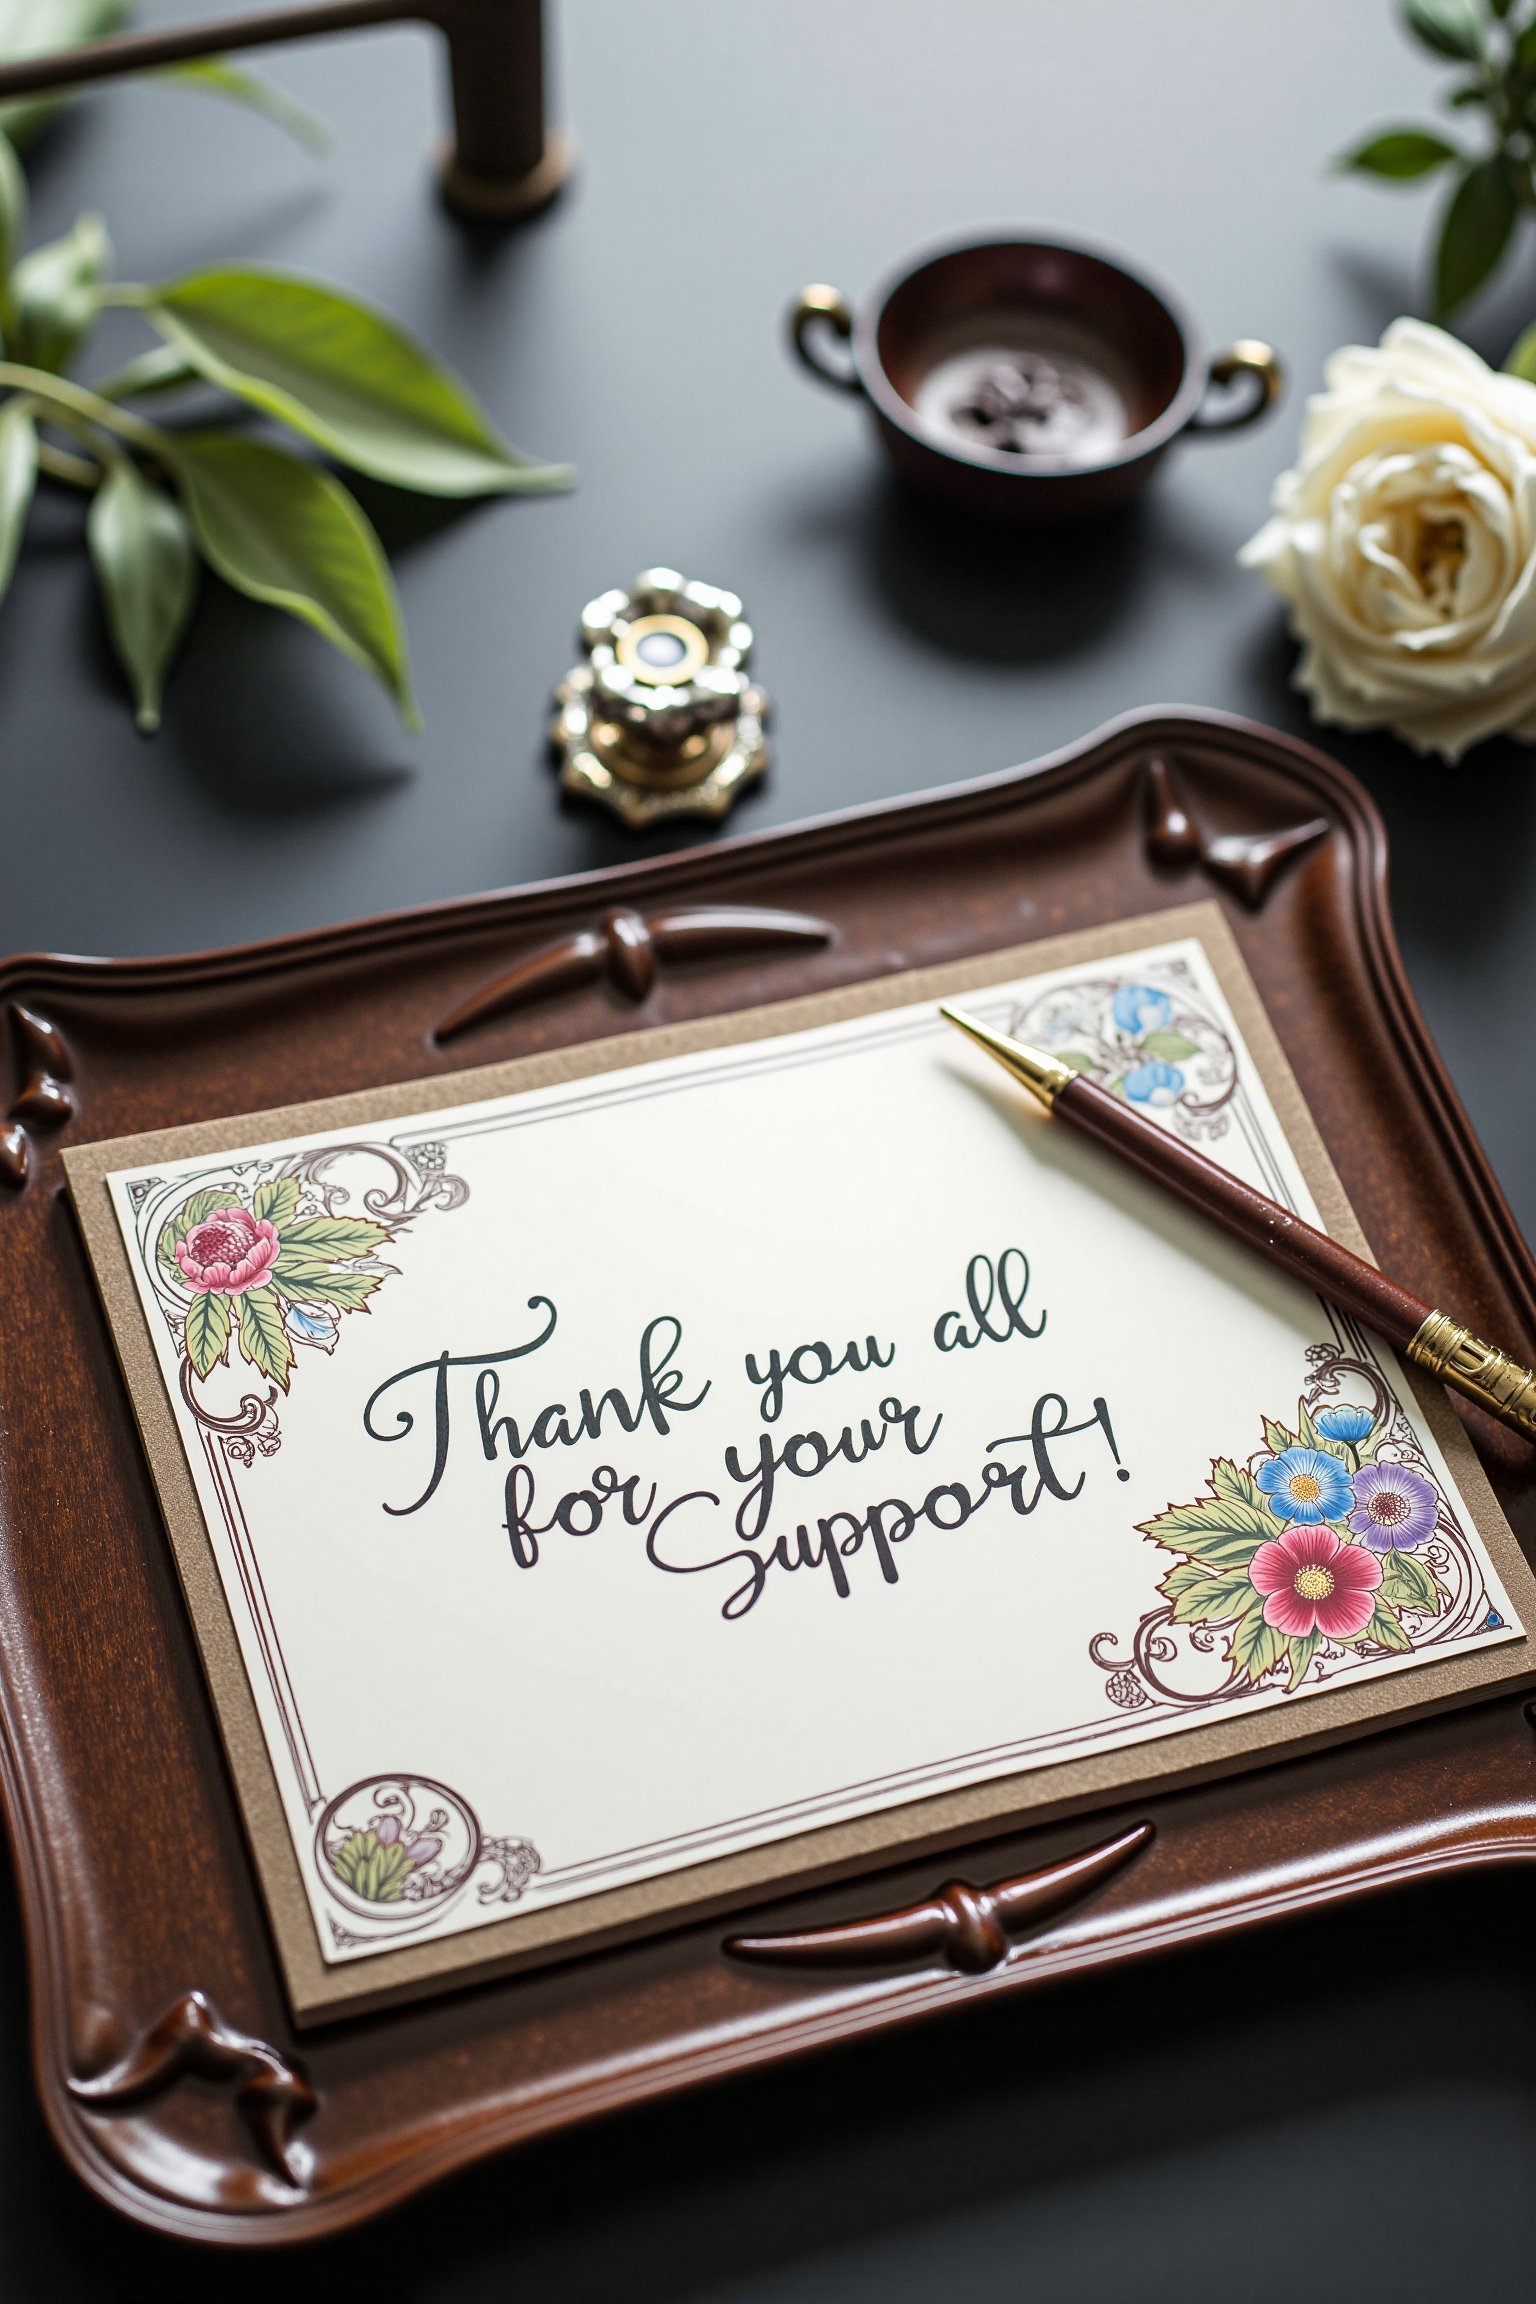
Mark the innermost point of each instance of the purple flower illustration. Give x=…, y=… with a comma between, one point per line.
x=1395, y=1508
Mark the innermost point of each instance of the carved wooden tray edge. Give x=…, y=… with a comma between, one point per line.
x=484, y=2131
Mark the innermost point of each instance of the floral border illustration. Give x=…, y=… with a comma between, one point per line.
x=398, y=1850
x=267, y=1260
x=1153, y=1043
x=1334, y=1544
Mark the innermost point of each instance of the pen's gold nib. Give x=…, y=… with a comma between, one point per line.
x=1031, y=1067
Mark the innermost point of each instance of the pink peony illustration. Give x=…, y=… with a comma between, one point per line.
x=228, y=1252
x=1312, y=1582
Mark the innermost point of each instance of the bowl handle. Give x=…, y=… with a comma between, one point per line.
x=1250, y=358
x=817, y=313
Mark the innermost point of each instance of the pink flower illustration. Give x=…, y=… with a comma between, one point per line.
x=1314, y=1583
x=228, y=1252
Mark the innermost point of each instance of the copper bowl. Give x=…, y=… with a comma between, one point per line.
x=1028, y=378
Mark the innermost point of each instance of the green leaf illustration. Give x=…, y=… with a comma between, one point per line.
x=1075, y=1059
x=1256, y=1646
x=1386, y=1631
x=337, y=1238
x=56, y=294
x=1407, y=1583
x=370, y=1869
x=207, y=1330
x=18, y=479
x=1221, y=1531
x=281, y=531
x=1476, y=228
x=1204, y=1598
x=1276, y=1436
x=276, y=1200
x=1170, y=1047
x=36, y=28
x=263, y=1338
x=1301, y=1652
x=1236, y=1482
x=1400, y=154
x=344, y=376
x=1447, y=27
x=344, y=1288
x=213, y=76
x=142, y=551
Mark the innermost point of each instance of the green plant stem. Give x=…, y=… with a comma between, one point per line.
x=59, y=392
x=61, y=464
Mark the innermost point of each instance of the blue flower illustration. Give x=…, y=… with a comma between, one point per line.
x=1141, y=1008
x=1154, y=1082
x=1306, y=1484
x=1345, y=1423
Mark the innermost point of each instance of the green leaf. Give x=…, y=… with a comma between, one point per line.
x=1256, y=1646
x=276, y=1200
x=1075, y=1059
x=334, y=1237
x=1386, y=1631
x=1276, y=1436
x=1464, y=93
x=1172, y=1047
x=1525, y=50
x=1301, y=1652
x=1206, y=1599
x=207, y=1330
x=345, y=377
x=283, y=532
x=1400, y=154
x=141, y=548
x=18, y=478
x=1223, y=1533
x=1474, y=233
x=1501, y=8
x=263, y=1338
x=56, y=294
x=1407, y=1583
x=36, y=28
x=1448, y=27
x=1238, y=1483
x=162, y=369
x=213, y=76
x=342, y=1289
x=1522, y=359
x=13, y=202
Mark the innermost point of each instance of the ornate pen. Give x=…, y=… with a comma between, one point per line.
x=1430, y=1339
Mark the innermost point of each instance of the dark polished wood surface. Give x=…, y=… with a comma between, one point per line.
x=1129, y=2136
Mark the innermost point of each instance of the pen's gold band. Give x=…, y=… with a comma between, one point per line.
x=1491, y=1378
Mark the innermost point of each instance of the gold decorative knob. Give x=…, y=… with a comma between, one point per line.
x=660, y=719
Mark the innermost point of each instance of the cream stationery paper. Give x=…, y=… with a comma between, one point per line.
x=612, y=1483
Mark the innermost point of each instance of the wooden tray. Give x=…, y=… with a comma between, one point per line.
x=171, y=2074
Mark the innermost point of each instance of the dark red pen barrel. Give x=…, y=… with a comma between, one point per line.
x=1260, y=1223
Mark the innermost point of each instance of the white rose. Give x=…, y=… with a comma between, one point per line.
x=1404, y=540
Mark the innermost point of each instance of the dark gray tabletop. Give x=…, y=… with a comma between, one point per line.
x=1342, y=2109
